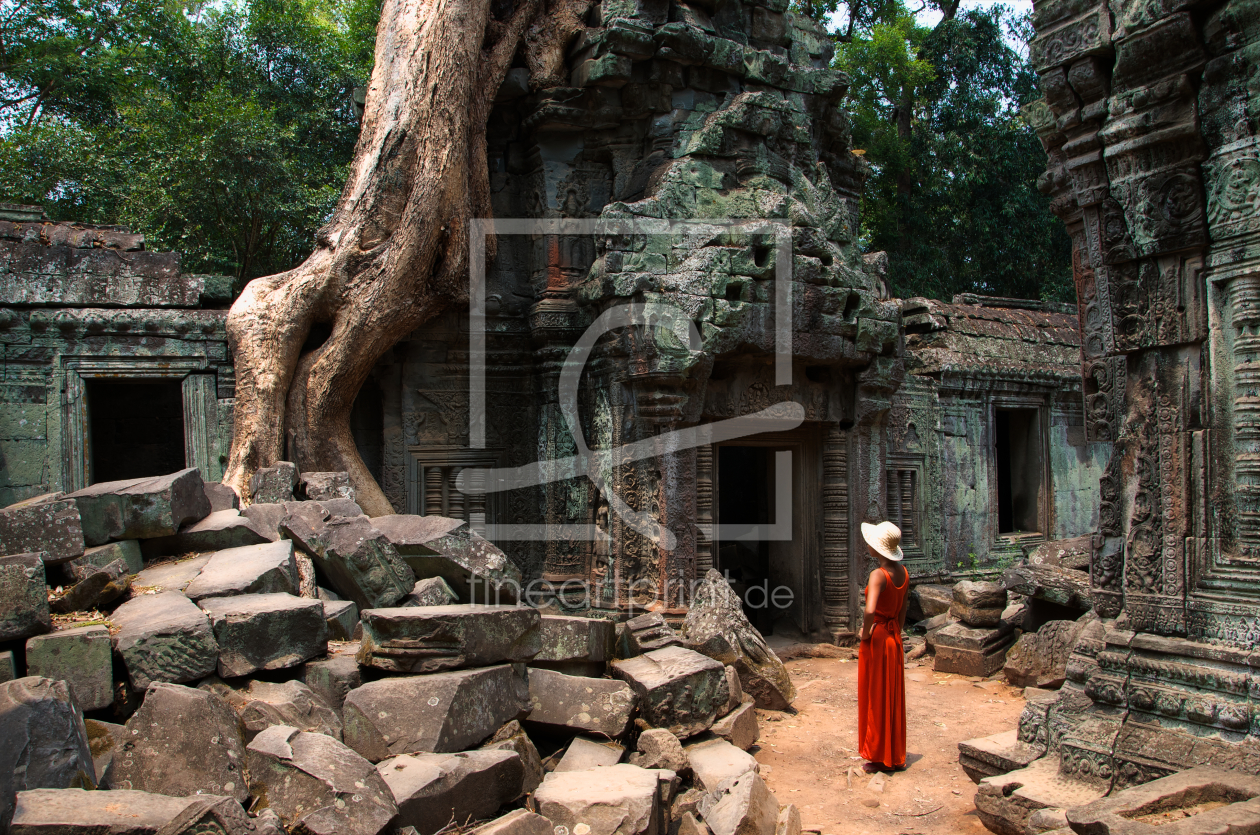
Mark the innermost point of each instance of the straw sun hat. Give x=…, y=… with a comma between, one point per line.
x=885, y=538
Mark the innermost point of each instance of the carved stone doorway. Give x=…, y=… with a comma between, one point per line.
x=768, y=537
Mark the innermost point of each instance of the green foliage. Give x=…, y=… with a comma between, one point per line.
x=222, y=132
x=952, y=196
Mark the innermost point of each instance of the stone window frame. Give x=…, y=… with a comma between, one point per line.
x=1042, y=403
x=422, y=458
x=916, y=464
x=200, y=401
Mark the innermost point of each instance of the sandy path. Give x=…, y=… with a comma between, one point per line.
x=805, y=757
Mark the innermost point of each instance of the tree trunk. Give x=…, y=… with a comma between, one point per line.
x=395, y=252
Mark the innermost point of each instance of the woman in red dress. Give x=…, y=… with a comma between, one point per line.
x=881, y=666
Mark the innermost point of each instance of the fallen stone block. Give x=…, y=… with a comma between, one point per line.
x=141, y=508
x=516, y=822
x=970, y=651
x=1039, y=659
x=357, y=559
x=266, y=568
x=324, y=486
x=164, y=637
x=584, y=754
x=439, y=713
x=121, y=812
x=97, y=587
x=434, y=790
x=342, y=617
x=51, y=528
x=570, y=641
x=1004, y=802
x=1052, y=583
x=648, y=632
x=181, y=742
x=221, y=530
x=270, y=485
x=435, y=546
x=83, y=658
x=716, y=627
x=658, y=748
x=431, y=639
x=43, y=743
x=743, y=806
x=172, y=576
x=1199, y=800
x=928, y=601
x=576, y=703
x=716, y=760
x=105, y=739
x=689, y=824
x=8, y=666
x=996, y=754
x=266, y=518
x=332, y=678
x=127, y=550
x=739, y=727
x=431, y=591
x=317, y=785
x=261, y=704
x=1071, y=553
x=735, y=689
x=789, y=821
x=512, y=737
x=618, y=800
x=265, y=631
x=677, y=688
x=23, y=598
x=1016, y=616
x=221, y=496
x=978, y=604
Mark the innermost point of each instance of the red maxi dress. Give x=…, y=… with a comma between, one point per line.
x=882, y=684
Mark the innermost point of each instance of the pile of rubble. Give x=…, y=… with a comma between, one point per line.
x=1021, y=629
x=309, y=670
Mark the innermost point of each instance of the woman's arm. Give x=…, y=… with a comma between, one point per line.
x=874, y=586
x=905, y=607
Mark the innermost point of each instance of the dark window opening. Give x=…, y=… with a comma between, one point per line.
x=746, y=497
x=1018, y=443
x=136, y=428
x=902, y=500
x=367, y=426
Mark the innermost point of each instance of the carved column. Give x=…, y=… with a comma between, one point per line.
x=835, y=556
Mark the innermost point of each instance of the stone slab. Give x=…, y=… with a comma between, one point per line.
x=358, y=561
x=677, y=688
x=714, y=761
x=261, y=704
x=97, y=587
x=431, y=639
x=221, y=530
x=127, y=550
x=743, y=806
x=647, y=632
x=342, y=617
x=739, y=727
x=512, y=737
x=172, y=576
x=81, y=657
x=929, y=600
x=1192, y=802
x=164, y=637
x=618, y=800
x=579, y=704
x=1054, y=583
x=23, y=597
x=43, y=742
x=265, y=631
x=575, y=639
x=996, y=754
x=221, y=496
x=141, y=508
x=516, y=822
x=50, y=528
x=104, y=740
x=182, y=741
x=317, y=785
x=434, y=790
x=438, y=713
x=275, y=484
x=332, y=678
x=122, y=812
x=1039, y=659
x=324, y=486
x=1004, y=802
x=431, y=591
x=266, y=568
x=437, y=546
x=658, y=748
x=584, y=754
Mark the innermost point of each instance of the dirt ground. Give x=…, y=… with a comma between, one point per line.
x=805, y=758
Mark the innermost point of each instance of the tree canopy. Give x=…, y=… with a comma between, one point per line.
x=952, y=196
x=221, y=131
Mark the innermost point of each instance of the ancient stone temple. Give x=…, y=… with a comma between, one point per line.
x=678, y=315
x=1149, y=119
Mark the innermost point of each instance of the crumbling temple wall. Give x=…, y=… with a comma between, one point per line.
x=1150, y=120
x=85, y=306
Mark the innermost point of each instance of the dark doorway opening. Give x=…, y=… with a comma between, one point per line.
x=136, y=428
x=367, y=425
x=746, y=496
x=1019, y=470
